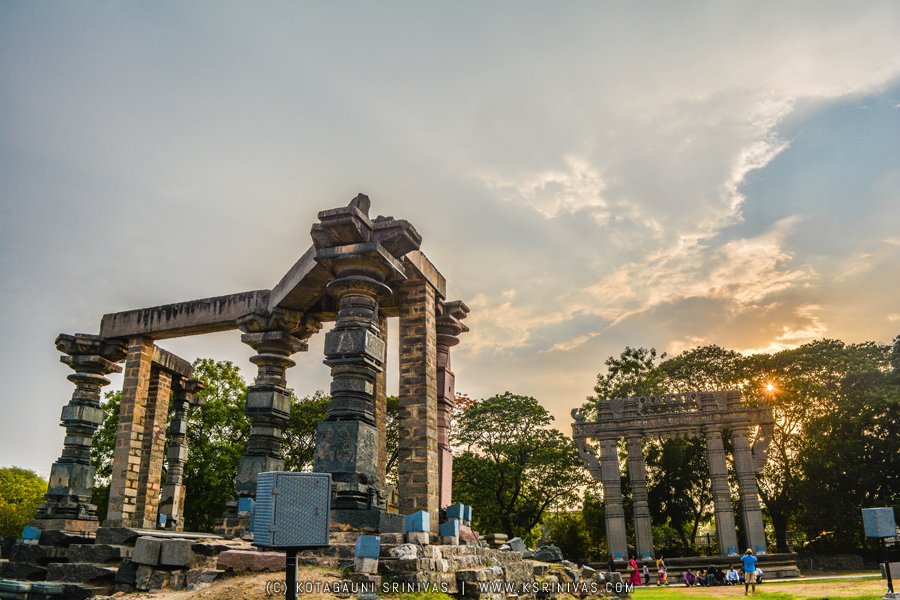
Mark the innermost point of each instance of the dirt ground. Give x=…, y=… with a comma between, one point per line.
x=245, y=587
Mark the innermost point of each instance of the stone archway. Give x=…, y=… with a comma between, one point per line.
x=706, y=414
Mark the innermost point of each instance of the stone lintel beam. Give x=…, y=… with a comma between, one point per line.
x=172, y=363
x=207, y=315
x=302, y=286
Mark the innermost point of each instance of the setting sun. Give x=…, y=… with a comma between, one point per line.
x=770, y=387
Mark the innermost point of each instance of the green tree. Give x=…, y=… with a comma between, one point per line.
x=299, y=439
x=850, y=460
x=21, y=491
x=514, y=468
x=216, y=437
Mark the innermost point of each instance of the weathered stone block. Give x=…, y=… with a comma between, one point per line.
x=366, y=565
x=80, y=572
x=116, y=536
x=549, y=553
x=195, y=577
x=147, y=550
x=97, y=553
x=517, y=544
x=176, y=553
x=24, y=571
x=248, y=560
x=142, y=577
x=418, y=537
x=127, y=572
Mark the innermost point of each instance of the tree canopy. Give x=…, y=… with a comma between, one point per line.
x=21, y=491
x=513, y=466
x=836, y=422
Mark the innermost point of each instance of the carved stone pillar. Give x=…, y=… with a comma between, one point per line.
x=638, y=474
x=718, y=474
x=749, y=492
x=449, y=327
x=68, y=504
x=347, y=441
x=616, y=537
x=362, y=255
x=172, y=502
x=275, y=337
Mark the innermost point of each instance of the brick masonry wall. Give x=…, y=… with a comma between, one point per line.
x=418, y=453
x=130, y=433
x=153, y=449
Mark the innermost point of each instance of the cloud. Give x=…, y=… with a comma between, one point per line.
x=574, y=188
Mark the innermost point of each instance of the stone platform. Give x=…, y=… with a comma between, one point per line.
x=774, y=566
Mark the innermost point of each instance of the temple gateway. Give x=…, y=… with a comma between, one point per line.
x=359, y=273
x=707, y=414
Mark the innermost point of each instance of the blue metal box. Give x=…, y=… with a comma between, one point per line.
x=292, y=510
x=879, y=522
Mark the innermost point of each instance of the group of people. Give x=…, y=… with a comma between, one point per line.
x=749, y=574
x=662, y=577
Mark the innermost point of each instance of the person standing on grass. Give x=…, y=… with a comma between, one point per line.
x=646, y=574
x=749, y=570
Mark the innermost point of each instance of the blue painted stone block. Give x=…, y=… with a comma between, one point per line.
x=162, y=519
x=732, y=550
x=456, y=511
x=467, y=513
x=368, y=546
x=450, y=528
x=245, y=505
x=618, y=556
x=646, y=554
x=418, y=521
x=31, y=533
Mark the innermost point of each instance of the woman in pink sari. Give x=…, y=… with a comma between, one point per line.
x=635, y=573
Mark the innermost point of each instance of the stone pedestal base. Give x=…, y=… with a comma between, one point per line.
x=373, y=520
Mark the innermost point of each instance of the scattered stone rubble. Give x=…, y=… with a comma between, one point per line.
x=128, y=560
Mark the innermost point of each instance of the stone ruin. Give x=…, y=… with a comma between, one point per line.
x=706, y=414
x=359, y=272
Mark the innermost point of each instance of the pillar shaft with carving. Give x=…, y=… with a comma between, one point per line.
x=173, y=492
x=275, y=337
x=616, y=536
x=749, y=492
x=638, y=474
x=68, y=504
x=718, y=474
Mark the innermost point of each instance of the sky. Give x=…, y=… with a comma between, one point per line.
x=586, y=175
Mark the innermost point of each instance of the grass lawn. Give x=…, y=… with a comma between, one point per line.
x=844, y=589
